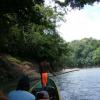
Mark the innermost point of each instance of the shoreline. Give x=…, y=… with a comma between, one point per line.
x=37, y=75
x=67, y=71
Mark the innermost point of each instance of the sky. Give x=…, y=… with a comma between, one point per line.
x=84, y=23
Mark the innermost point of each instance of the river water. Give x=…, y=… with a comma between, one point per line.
x=80, y=85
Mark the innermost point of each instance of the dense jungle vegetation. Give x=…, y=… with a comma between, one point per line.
x=28, y=30
x=84, y=53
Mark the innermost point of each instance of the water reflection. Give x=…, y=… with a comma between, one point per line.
x=80, y=85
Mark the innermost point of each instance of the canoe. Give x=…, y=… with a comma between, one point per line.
x=51, y=88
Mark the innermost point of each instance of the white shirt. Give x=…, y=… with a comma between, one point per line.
x=20, y=95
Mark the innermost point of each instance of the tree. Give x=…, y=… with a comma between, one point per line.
x=36, y=39
x=96, y=56
x=28, y=29
x=76, y=3
x=82, y=53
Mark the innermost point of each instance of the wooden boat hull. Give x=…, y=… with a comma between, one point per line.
x=51, y=88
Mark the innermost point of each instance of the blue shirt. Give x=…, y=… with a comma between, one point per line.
x=20, y=95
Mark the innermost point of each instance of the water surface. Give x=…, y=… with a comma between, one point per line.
x=80, y=85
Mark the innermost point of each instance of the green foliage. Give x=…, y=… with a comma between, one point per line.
x=30, y=33
x=96, y=56
x=84, y=52
x=28, y=29
x=76, y=3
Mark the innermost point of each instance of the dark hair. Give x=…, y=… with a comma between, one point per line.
x=24, y=83
x=42, y=95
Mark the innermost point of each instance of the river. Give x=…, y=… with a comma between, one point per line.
x=80, y=85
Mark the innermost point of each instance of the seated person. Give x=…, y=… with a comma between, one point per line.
x=21, y=93
x=43, y=95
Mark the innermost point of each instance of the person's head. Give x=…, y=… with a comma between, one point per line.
x=43, y=95
x=24, y=83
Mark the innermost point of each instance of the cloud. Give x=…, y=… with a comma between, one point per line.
x=62, y=0
x=81, y=23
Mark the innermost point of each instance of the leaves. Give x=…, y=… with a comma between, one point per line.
x=85, y=52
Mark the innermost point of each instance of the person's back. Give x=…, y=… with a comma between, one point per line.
x=21, y=92
x=44, y=66
x=20, y=95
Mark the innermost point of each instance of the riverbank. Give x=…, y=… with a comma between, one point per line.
x=12, y=68
x=67, y=71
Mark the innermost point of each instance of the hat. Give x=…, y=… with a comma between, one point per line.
x=43, y=95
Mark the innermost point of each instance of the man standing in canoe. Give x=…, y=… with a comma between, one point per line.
x=44, y=68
